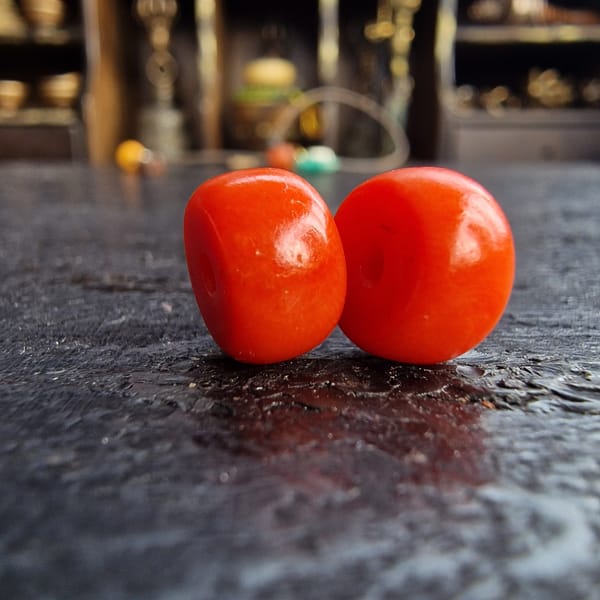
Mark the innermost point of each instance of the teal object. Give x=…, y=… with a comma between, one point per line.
x=316, y=160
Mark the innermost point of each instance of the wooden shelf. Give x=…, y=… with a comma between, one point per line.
x=63, y=36
x=527, y=34
x=35, y=117
x=91, y=41
x=528, y=117
x=485, y=56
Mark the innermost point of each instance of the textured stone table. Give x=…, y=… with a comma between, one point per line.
x=137, y=462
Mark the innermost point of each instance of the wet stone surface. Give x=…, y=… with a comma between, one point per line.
x=138, y=462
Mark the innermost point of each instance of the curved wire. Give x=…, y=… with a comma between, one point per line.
x=378, y=113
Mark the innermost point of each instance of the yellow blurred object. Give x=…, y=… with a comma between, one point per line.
x=270, y=72
x=129, y=155
x=44, y=13
x=310, y=122
x=60, y=91
x=549, y=88
x=133, y=157
x=12, y=94
x=12, y=25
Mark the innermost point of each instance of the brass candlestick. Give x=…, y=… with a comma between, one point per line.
x=161, y=124
x=325, y=123
x=394, y=23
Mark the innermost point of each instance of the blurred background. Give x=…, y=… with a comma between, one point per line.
x=460, y=79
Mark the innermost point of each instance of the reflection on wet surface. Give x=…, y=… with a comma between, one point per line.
x=539, y=385
x=128, y=440
x=423, y=420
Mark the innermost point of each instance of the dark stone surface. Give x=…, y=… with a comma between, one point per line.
x=137, y=462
